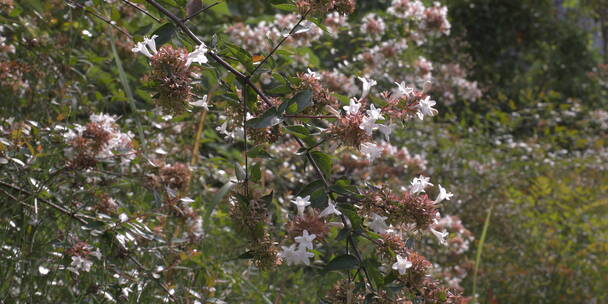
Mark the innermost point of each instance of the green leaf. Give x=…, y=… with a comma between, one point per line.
x=165, y=33
x=268, y=119
x=240, y=172
x=256, y=173
x=342, y=262
x=303, y=100
x=310, y=188
x=318, y=199
x=298, y=103
x=215, y=200
x=355, y=220
x=258, y=152
x=285, y=7
x=323, y=161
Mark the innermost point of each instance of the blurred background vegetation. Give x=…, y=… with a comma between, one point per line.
x=532, y=150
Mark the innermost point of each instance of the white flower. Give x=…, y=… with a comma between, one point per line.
x=302, y=256
x=80, y=263
x=198, y=55
x=367, y=86
x=151, y=43
x=374, y=113
x=378, y=223
x=402, y=264
x=402, y=90
x=313, y=74
x=123, y=217
x=142, y=47
x=291, y=256
x=368, y=124
x=440, y=236
x=223, y=128
x=387, y=130
x=419, y=184
x=425, y=108
x=43, y=270
x=371, y=151
x=96, y=253
x=443, y=194
x=202, y=103
x=305, y=240
x=331, y=209
x=353, y=107
x=301, y=203
x=288, y=254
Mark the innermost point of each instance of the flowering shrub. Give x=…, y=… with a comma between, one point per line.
x=168, y=151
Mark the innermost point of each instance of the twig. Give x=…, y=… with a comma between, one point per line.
x=200, y=11
x=100, y=17
x=15, y=199
x=245, y=89
x=190, y=34
x=77, y=216
x=141, y=10
x=276, y=47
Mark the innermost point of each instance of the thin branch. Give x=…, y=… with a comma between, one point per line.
x=15, y=199
x=276, y=47
x=100, y=17
x=142, y=10
x=245, y=110
x=200, y=11
x=77, y=216
x=190, y=34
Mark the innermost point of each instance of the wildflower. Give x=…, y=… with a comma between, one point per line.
x=402, y=264
x=419, y=184
x=80, y=263
x=313, y=74
x=311, y=221
x=374, y=113
x=293, y=256
x=367, y=85
x=302, y=256
x=369, y=125
x=402, y=90
x=198, y=55
x=288, y=254
x=353, y=107
x=440, y=236
x=443, y=194
x=386, y=130
x=201, y=103
x=223, y=128
x=378, y=223
x=301, y=204
x=142, y=47
x=371, y=151
x=305, y=240
x=425, y=107
x=151, y=43
x=331, y=209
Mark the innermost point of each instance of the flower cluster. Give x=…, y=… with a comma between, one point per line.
x=80, y=254
x=170, y=73
x=257, y=39
x=99, y=141
x=304, y=228
x=324, y=6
